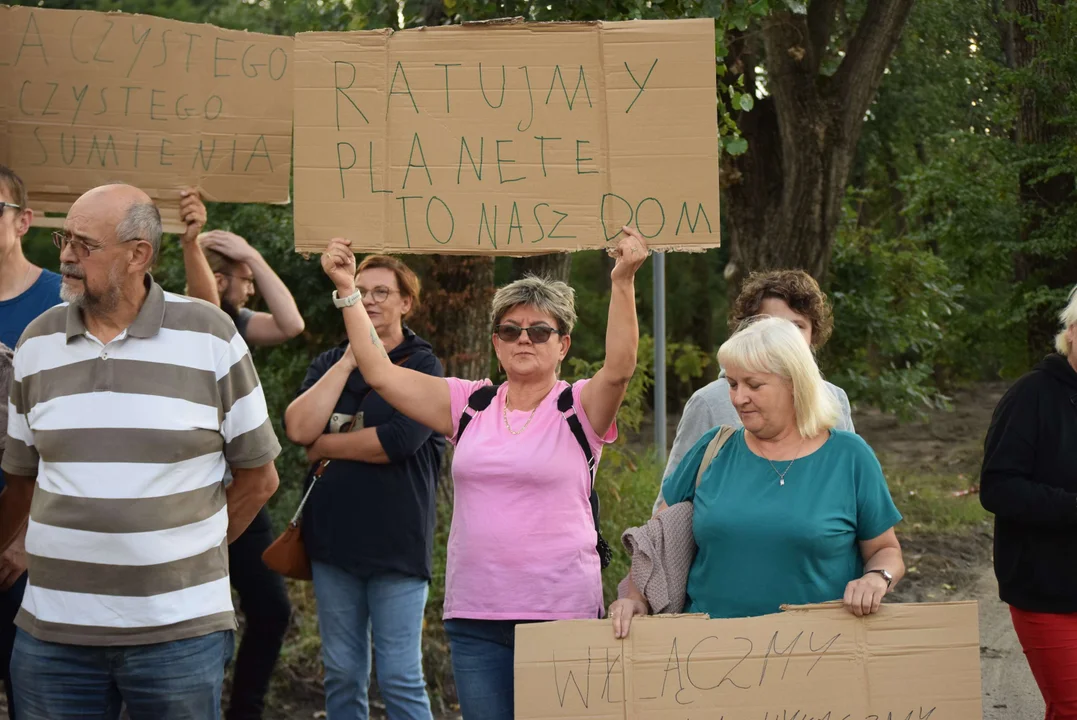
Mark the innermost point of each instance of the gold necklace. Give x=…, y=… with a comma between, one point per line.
x=505, y=415
x=781, y=475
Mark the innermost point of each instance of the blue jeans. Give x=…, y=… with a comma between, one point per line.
x=349, y=609
x=482, y=666
x=179, y=680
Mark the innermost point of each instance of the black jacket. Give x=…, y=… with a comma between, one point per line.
x=372, y=519
x=1029, y=481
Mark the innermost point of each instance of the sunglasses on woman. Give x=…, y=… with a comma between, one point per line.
x=538, y=333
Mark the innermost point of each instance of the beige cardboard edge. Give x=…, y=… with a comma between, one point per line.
x=312, y=249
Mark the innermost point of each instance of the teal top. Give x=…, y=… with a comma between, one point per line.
x=761, y=544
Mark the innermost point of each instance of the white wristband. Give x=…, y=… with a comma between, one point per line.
x=348, y=301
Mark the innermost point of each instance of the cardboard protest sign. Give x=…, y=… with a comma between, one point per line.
x=908, y=662
x=507, y=138
x=88, y=98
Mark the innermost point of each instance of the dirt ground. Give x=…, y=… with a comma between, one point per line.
x=946, y=442
x=958, y=566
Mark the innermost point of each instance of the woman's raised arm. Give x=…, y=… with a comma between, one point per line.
x=602, y=396
x=423, y=398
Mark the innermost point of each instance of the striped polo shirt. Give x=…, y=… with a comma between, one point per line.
x=126, y=543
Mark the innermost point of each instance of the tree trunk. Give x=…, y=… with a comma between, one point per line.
x=784, y=196
x=1044, y=196
x=555, y=266
x=455, y=312
x=455, y=317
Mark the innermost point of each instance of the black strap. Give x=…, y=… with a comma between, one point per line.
x=481, y=399
x=476, y=403
x=568, y=409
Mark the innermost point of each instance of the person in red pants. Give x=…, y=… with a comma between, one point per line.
x=1029, y=482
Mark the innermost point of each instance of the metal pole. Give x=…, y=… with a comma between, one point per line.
x=660, y=355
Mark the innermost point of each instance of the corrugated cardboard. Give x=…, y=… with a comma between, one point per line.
x=908, y=662
x=507, y=138
x=88, y=98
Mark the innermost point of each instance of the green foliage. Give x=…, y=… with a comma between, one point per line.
x=892, y=300
x=687, y=362
x=970, y=191
x=939, y=173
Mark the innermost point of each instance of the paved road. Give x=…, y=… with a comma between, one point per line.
x=1009, y=691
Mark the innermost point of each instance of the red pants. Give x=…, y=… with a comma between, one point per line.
x=1050, y=644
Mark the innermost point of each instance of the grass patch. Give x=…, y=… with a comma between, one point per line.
x=932, y=503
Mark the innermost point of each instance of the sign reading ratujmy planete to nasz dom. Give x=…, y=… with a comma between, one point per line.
x=507, y=138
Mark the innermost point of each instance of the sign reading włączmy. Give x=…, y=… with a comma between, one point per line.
x=509, y=138
x=88, y=98
x=907, y=662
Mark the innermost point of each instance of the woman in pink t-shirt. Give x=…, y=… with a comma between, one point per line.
x=522, y=543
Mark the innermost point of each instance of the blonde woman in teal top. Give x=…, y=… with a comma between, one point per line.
x=791, y=511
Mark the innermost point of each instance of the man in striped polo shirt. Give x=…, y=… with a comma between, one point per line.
x=126, y=405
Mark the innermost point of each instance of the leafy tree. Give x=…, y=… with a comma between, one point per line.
x=1044, y=58
x=810, y=75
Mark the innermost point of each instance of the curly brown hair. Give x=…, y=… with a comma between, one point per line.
x=795, y=288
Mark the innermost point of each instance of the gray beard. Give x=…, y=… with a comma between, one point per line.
x=95, y=304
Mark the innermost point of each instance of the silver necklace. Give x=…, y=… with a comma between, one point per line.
x=505, y=415
x=781, y=475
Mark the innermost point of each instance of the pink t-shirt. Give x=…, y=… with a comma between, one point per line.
x=522, y=543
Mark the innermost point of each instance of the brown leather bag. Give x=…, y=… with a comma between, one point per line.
x=288, y=555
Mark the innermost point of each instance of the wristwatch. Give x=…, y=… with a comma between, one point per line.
x=348, y=301
x=886, y=576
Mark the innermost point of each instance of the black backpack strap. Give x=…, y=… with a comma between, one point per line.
x=476, y=403
x=567, y=407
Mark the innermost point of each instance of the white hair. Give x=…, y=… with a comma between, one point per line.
x=1068, y=318
x=141, y=222
x=775, y=346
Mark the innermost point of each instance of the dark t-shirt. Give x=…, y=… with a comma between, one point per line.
x=243, y=320
x=16, y=313
x=19, y=311
x=371, y=519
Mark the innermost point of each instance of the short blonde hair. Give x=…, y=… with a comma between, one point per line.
x=1068, y=317
x=775, y=346
x=552, y=297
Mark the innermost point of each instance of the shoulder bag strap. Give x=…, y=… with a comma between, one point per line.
x=713, y=448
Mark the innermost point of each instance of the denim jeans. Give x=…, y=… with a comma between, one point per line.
x=350, y=610
x=179, y=680
x=263, y=599
x=482, y=666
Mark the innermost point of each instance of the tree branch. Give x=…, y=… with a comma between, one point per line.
x=789, y=79
x=858, y=76
x=820, y=18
